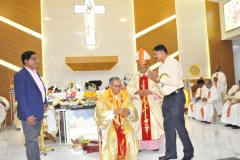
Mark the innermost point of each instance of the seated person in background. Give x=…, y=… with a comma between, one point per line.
x=211, y=100
x=231, y=108
x=4, y=106
x=232, y=91
x=115, y=113
x=196, y=99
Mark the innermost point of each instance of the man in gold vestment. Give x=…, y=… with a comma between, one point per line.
x=147, y=98
x=114, y=113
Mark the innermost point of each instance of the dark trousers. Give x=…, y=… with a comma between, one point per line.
x=31, y=133
x=173, y=120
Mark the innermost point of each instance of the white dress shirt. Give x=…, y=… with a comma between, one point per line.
x=170, y=83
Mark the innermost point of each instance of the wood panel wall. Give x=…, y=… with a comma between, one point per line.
x=221, y=52
x=13, y=42
x=148, y=13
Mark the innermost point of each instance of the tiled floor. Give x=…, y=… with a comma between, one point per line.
x=210, y=141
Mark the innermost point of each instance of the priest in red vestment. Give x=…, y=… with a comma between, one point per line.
x=147, y=99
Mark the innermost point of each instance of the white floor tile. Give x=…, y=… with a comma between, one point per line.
x=210, y=141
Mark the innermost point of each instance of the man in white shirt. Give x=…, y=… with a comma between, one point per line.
x=4, y=106
x=170, y=84
x=231, y=108
x=211, y=100
x=196, y=99
x=220, y=82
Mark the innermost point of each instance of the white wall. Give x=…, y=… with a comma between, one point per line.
x=192, y=36
x=63, y=35
x=226, y=35
x=236, y=57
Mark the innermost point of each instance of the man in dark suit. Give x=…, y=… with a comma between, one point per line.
x=32, y=102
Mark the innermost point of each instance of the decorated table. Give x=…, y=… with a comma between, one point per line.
x=75, y=112
x=76, y=121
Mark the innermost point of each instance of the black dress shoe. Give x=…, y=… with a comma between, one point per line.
x=167, y=158
x=188, y=158
x=139, y=151
x=156, y=149
x=207, y=122
x=228, y=125
x=235, y=127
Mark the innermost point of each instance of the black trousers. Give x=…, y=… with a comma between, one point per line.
x=173, y=120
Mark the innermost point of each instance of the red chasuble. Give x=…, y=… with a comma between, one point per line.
x=121, y=137
x=145, y=117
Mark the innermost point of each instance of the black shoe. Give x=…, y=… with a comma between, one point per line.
x=156, y=149
x=202, y=121
x=228, y=125
x=207, y=122
x=57, y=135
x=188, y=158
x=167, y=158
x=235, y=127
x=193, y=118
x=139, y=151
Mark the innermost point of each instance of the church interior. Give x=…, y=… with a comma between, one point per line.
x=80, y=44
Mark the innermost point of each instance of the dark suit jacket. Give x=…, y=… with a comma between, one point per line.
x=28, y=96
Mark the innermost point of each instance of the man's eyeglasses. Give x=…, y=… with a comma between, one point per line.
x=35, y=59
x=116, y=86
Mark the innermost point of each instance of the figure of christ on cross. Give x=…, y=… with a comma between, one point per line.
x=89, y=10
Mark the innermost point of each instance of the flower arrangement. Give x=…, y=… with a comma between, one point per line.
x=11, y=84
x=78, y=142
x=90, y=95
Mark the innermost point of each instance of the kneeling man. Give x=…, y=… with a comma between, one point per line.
x=114, y=113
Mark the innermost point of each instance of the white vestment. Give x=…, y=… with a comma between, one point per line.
x=214, y=101
x=232, y=90
x=221, y=83
x=192, y=104
x=3, y=109
x=234, y=117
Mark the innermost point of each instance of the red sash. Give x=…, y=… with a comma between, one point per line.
x=215, y=82
x=202, y=112
x=191, y=107
x=122, y=147
x=145, y=117
x=121, y=137
x=209, y=94
x=229, y=110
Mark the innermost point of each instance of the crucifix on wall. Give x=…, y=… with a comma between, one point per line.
x=89, y=10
